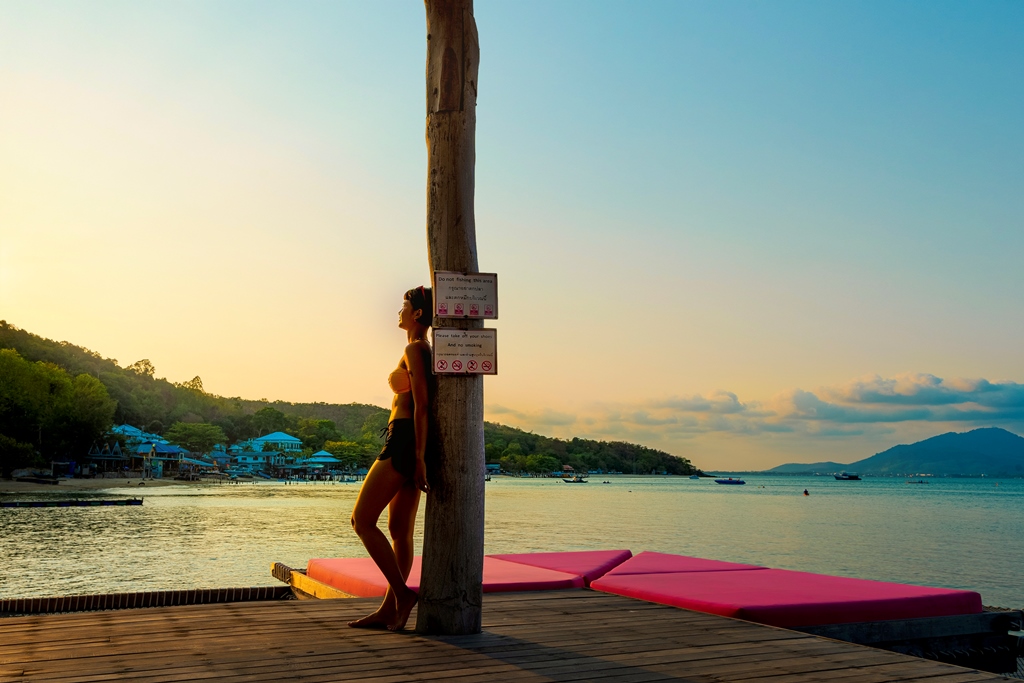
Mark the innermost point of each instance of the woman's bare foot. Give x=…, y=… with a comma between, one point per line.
x=405, y=605
x=380, y=619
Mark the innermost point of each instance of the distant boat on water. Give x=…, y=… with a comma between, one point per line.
x=69, y=503
x=730, y=480
x=694, y=476
x=578, y=479
x=847, y=476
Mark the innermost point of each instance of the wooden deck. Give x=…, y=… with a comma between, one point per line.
x=576, y=635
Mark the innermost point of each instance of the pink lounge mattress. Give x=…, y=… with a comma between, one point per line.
x=359, y=576
x=660, y=563
x=791, y=599
x=590, y=564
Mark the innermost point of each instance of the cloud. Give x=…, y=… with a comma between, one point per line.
x=719, y=402
x=869, y=406
x=544, y=417
x=929, y=390
x=804, y=405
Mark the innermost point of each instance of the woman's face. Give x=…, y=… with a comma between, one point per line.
x=407, y=315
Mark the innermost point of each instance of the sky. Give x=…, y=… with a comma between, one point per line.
x=747, y=233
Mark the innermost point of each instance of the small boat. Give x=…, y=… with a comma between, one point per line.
x=730, y=480
x=847, y=476
x=919, y=481
x=69, y=503
x=694, y=476
x=39, y=480
x=578, y=479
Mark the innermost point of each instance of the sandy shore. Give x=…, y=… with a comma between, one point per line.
x=72, y=485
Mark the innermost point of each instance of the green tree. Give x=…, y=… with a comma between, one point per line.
x=269, y=420
x=352, y=453
x=84, y=415
x=142, y=367
x=513, y=463
x=15, y=455
x=197, y=437
x=373, y=426
x=493, y=452
x=45, y=407
x=315, y=433
x=195, y=384
x=542, y=464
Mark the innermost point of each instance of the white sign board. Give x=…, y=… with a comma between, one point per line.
x=465, y=295
x=465, y=352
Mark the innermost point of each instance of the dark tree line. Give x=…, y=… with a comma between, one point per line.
x=96, y=392
x=519, y=451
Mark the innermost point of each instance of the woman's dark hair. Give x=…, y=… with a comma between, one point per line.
x=422, y=298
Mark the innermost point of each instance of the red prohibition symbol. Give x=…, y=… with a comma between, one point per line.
x=486, y=366
x=456, y=365
x=442, y=364
x=471, y=365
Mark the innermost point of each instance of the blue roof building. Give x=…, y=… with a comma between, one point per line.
x=278, y=441
x=320, y=459
x=134, y=435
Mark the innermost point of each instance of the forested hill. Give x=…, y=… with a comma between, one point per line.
x=350, y=431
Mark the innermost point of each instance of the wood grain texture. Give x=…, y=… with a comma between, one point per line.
x=575, y=635
x=453, y=539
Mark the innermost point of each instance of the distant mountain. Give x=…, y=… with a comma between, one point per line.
x=810, y=468
x=990, y=451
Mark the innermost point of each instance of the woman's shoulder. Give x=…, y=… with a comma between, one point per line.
x=421, y=346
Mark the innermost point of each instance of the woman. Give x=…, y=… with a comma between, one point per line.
x=400, y=473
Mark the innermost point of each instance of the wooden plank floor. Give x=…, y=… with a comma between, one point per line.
x=575, y=635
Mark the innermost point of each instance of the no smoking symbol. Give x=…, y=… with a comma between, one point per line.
x=456, y=365
x=486, y=366
x=442, y=365
x=471, y=365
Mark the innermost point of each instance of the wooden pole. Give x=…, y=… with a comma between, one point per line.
x=451, y=590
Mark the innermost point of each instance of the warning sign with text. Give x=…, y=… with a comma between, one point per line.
x=465, y=295
x=465, y=352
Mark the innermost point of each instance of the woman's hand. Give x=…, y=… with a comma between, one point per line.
x=420, y=477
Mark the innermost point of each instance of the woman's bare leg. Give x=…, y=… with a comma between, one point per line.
x=380, y=486
x=402, y=524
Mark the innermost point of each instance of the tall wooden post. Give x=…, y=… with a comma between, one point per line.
x=453, y=540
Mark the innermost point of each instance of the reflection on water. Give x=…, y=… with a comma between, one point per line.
x=965, y=533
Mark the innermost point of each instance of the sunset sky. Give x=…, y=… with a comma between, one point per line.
x=747, y=233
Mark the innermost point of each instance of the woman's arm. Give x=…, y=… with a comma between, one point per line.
x=415, y=362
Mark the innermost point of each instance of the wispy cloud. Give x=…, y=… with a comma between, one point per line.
x=544, y=417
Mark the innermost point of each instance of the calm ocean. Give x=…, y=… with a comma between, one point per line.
x=958, y=533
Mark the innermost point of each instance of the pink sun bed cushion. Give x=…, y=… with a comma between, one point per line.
x=590, y=564
x=360, y=577
x=661, y=563
x=791, y=599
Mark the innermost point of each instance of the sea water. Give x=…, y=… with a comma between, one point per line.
x=955, y=533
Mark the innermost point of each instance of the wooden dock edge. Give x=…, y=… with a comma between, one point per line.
x=978, y=641
x=304, y=587
x=16, y=607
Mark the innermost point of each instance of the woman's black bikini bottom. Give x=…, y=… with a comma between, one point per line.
x=400, y=446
